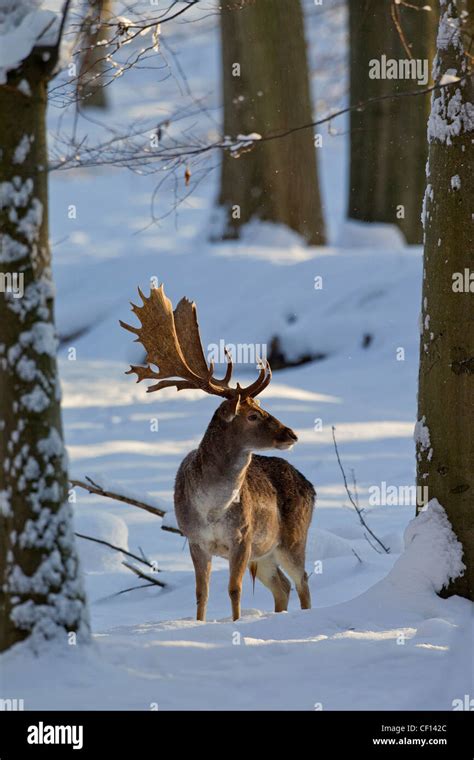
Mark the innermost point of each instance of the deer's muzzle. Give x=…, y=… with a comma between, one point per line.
x=286, y=439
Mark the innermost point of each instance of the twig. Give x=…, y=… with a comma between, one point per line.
x=396, y=18
x=62, y=24
x=119, y=549
x=132, y=588
x=353, y=501
x=143, y=575
x=180, y=153
x=171, y=529
x=95, y=488
x=354, y=485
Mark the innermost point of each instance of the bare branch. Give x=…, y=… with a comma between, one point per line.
x=132, y=588
x=397, y=21
x=120, y=549
x=143, y=575
x=354, y=485
x=171, y=529
x=125, y=152
x=96, y=489
x=62, y=24
x=354, y=502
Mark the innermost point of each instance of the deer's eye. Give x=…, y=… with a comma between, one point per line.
x=252, y=417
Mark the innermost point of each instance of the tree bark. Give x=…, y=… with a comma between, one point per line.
x=276, y=181
x=445, y=439
x=388, y=148
x=91, y=84
x=41, y=593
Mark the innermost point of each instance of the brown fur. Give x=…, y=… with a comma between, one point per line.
x=253, y=510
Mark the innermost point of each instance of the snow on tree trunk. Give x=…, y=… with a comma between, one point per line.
x=444, y=438
x=388, y=139
x=41, y=593
x=265, y=89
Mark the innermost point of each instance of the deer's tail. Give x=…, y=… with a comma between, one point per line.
x=253, y=573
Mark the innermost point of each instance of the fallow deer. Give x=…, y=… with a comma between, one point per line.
x=253, y=510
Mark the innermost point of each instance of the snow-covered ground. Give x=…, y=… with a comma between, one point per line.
x=378, y=636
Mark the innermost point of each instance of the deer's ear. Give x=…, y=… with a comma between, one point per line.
x=230, y=409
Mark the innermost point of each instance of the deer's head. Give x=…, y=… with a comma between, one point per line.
x=173, y=344
x=254, y=427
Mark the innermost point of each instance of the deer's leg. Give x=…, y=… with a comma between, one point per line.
x=271, y=576
x=293, y=563
x=202, y=571
x=238, y=561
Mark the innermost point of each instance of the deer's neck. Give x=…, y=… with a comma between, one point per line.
x=223, y=465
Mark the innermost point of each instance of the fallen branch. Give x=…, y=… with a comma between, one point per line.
x=95, y=488
x=119, y=549
x=354, y=502
x=92, y=487
x=143, y=575
x=132, y=588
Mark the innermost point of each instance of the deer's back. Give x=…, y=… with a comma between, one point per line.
x=293, y=493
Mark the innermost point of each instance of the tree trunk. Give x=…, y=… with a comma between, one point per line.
x=388, y=139
x=91, y=84
x=277, y=181
x=445, y=440
x=41, y=593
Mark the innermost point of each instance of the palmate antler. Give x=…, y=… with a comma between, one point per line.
x=172, y=343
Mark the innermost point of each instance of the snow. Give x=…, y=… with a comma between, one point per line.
x=23, y=25
x=4, y=504
x=395, y=646
x=15, y=195
x=378, y=636
x=106, y=527
x=456, y=182
x=35, y=401
x=452, y=113
x=449, y=77
x=22, y=150
x=24, y=88
x=41, y=337
x=241, y=143
x=422, y=437
x=55, y=580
